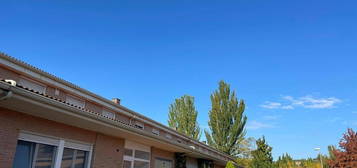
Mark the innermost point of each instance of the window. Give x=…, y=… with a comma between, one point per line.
x=141, y=164
x=34, y=151
x=163, y=163
x=127, y=164
x=156, y=131
x=32, y=85
x=142, y=155
x=168, y=136
x=128, y=152
x=136, y=155
x=75, y=101
x=73, y=158
x=30, y=154
x=108, y=114
x=139, y=125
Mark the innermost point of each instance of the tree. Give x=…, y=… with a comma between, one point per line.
x=285, y=161
x=246, y=147
x=226, y=120
x=331, y=148
x=230, y=165
x=310, y=163
x=346, y=156
x=262, y=157
x=183, y=117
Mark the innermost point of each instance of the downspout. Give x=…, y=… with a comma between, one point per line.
x=5, y=94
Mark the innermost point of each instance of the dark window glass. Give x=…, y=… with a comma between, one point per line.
x=67, y=158
x=140, y=164
x=128, y=152
x=80, y=159
x=142, y=155
x=45, y=156
x=127, y=164
x=24, y=154
x=72, y=158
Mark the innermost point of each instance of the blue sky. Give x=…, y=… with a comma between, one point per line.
x=293, y=62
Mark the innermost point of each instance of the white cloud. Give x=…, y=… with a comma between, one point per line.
x=254, y=125
x=276, y=105
x=311, y=102
x=271, y=105
x=305, y=102
x=271, y=117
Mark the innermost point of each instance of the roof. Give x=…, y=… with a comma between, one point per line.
x=12, y=60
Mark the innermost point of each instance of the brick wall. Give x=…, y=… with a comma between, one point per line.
x=108, y=152
x=105, y=152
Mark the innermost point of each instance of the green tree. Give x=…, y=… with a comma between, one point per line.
x=262, y=157
x=183, y=117
x=331, y=148
x=285, y=161
x=226, y=120
x=246, y=147
x=230, y=165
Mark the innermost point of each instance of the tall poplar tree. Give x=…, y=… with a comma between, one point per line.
x=262, y=157
x=183, y=117
x=226, y=120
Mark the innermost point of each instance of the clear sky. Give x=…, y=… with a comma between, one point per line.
x=293, y=62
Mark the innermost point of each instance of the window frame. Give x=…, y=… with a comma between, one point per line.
x=129, y=145
x=139, y=125
x=155, y=131
x=60, y=144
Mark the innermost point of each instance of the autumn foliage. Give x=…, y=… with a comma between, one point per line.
x=346, y=156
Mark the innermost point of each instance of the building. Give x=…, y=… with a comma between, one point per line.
x=47, y=122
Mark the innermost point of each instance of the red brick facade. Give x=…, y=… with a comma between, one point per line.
x=107, y=153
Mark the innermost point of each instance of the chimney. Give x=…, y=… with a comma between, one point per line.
x=116, y=101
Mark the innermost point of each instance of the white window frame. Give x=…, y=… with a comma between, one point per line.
x=59, y=143
x=136, y=146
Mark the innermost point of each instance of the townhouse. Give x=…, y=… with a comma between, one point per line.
x=47, y=122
